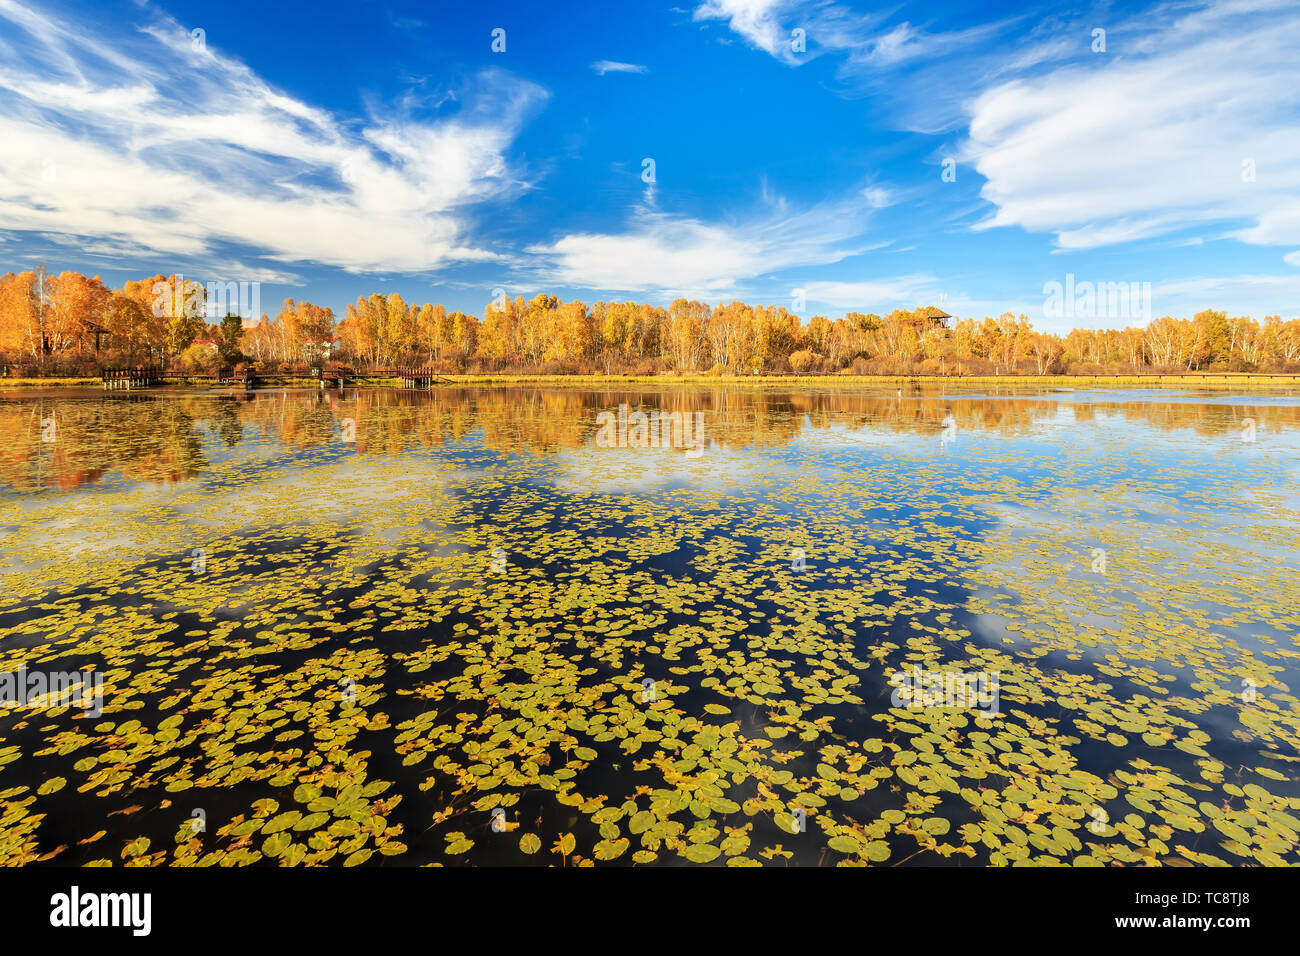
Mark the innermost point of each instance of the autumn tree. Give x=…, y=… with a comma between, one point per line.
x=160, y=317
x=229, y=335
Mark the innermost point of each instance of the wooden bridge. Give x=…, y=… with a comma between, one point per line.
x=422, y=376
x=132, y=377
x=142, y=377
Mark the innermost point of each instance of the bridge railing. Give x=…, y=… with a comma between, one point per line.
x=131, y=377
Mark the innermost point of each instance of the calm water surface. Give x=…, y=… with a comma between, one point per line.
x=392, y=628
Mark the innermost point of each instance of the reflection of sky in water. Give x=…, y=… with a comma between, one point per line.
x=998, y=527
x=1138, y=469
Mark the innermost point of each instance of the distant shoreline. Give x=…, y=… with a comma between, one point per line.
x=1199, y=379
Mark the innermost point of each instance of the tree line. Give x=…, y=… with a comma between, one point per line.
x=57, y=323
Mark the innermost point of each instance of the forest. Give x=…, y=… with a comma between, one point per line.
x=68, y=324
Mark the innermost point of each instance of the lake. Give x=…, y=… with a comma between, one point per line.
x=666, y=625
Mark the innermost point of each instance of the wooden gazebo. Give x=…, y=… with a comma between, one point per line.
x=930, y=317
x=92, y=334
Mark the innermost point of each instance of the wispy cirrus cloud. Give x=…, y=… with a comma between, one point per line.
x=919, y=73
x=153, y=140
x=1184, y=121
x=614, y=66
x=796, y=31
x=1187, y=121
x=671, y=255
x=758, y=22
x=1254, y=295
x=906, y=291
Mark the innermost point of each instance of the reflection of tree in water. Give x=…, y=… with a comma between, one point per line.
x=154, y=437
x=225, y=422
x=145, y=439
x=165, y=444
x=544, y=421
x=300, y=419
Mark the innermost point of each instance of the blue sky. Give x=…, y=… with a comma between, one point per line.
x=388, y=147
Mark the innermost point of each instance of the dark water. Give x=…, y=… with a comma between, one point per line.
x=374, y=623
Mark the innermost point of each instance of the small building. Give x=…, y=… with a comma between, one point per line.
x=91, y=336
x=929, y=317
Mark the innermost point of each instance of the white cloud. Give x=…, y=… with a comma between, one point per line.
x=905, y=43
x=757, y=21
x=144, y=142
x=1160, y=134
x=661, y=253
x=673, y=255
x=1252, y=295
x=873, y=295
x=613, y=66
x=878, y=196
x=861, y=39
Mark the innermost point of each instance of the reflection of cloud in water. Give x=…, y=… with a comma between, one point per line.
x=838, y=435
x=372, y=501
x=1158, y=536
x=1164, y=396
x=648, y=470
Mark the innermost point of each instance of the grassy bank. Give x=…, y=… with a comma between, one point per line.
x=1206, y=380
x=48, y=382
x=277, y=382
x=1224, y=380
